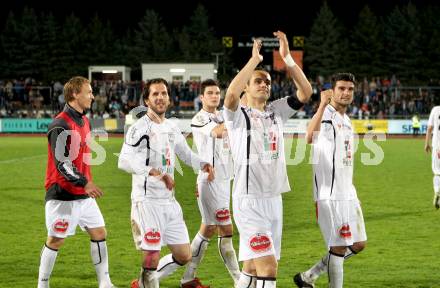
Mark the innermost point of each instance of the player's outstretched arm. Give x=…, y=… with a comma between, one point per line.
x=304, y=91
x=238, y=84
x=315, y=124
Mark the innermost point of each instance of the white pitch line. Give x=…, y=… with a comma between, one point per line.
x=21, y=159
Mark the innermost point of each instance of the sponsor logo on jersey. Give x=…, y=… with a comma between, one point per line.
x=345, y=231
x=166, y=157
x=152, y=237
x=222, y=214
x=166, y=161
x=260, y=243
x=347, y=160
x=60, y=226
x=270, y=141
x=266, y=156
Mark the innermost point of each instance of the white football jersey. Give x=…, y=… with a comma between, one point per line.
x=150, y=145
x=333, y=158
x=215, y=151
x=434, y=121
x=257, y=147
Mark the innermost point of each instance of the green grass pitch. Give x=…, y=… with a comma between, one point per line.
x=403, y=237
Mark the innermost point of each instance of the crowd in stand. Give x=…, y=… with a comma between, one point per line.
x=383, y=98
x=379, y=98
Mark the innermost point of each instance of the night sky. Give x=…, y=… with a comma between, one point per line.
x=249, y=19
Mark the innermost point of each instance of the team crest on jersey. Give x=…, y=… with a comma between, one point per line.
x=133, y=133
x=216, y=118
x=222, y=214
x=60, y=226
x=345, y=231
x=200, y=120
x=152, y=237
x=171, y=138
x=260, y=243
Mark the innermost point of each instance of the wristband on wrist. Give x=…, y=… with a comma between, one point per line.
x=289, y=61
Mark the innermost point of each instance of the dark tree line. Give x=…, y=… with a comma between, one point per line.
x=406, y=42
x=37, y=45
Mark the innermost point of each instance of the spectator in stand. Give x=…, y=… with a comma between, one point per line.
x=197, y=103
x=58, y=88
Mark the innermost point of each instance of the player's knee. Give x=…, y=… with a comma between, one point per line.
x=338, y=250
x=151, y=259
x=359, y=246
x=97, y=234
x=266, y=266
x=210, y=230
x=182, y=258
x=249, y=267
x=268, y=270
x=54, y=242
x=225, y=230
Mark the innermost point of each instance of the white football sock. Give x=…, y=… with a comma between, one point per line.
x=349, y=253
x=98, y=251
x=198, y=248
x=321, y=266
x=317, y=269
x=47, y=261
x=436, y=182
x=167, y=266
x=336, y=270
x=227, y=252
x=246, y=281
x=266, y=282
x=148, y=278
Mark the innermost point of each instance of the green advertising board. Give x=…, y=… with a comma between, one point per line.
x=25, y=125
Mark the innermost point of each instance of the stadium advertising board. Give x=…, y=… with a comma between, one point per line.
x=292, y=126
x=110, y=124
x=375, y=126
x=296, y=126
x=25, y=125
x=405, y=127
